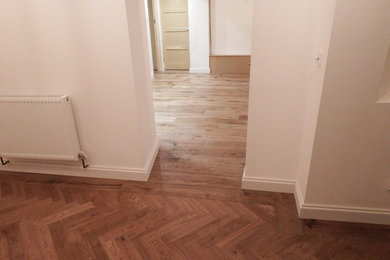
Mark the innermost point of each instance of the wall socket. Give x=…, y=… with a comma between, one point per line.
x=388, y=184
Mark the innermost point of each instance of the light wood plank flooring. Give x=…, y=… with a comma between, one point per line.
x=192, y=207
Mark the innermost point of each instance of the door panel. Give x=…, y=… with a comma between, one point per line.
x=174, y=20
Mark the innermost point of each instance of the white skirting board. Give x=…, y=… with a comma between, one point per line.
x=200, y=70
x=340, y=213
x=133, y=174
x=263, y=184
x=318, y=211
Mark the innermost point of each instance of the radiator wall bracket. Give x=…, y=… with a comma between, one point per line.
x=3, y=162
x=83, y=158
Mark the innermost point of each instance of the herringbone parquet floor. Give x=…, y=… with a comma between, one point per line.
x=191, y=208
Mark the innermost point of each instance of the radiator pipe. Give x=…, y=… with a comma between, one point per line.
x=3, y=162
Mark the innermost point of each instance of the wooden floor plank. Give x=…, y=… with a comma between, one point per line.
x=192, y=207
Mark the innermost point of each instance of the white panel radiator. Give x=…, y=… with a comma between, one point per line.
x=38, y=128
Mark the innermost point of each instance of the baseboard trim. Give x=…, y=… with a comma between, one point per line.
x=152, y=158
x=340, y=213
x=230, y=64
x=318, y=211
x=298, y=197
x=347, y=214
x=133, y=174
x=265, y=184
x=200, y=70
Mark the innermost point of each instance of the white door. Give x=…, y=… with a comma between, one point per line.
x=175, y=33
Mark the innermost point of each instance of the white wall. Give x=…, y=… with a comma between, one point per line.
x=231, y=27
x=313, y=94
x=350, y=161
x=65, y=47
x=285, y=37
x=138, y=33
x=198, y=16
x=320, y=131
x=384, y=90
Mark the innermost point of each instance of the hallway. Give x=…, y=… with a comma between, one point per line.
x=201, y=123
x=192, y=207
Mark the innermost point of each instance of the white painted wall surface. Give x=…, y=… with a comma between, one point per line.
x=198, y=15
x=384, y=90
x=313, y=95
x=231, y=27
x=350, y=162
x=138, y=33
x=320, y=130
x=66, y=47
x=284, y=43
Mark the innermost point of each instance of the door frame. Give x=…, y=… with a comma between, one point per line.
x=158, y=35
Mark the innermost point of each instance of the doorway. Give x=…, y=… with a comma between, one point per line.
x=169, y=34
x=200, y=36
x=179, y=35
x=201, y=119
